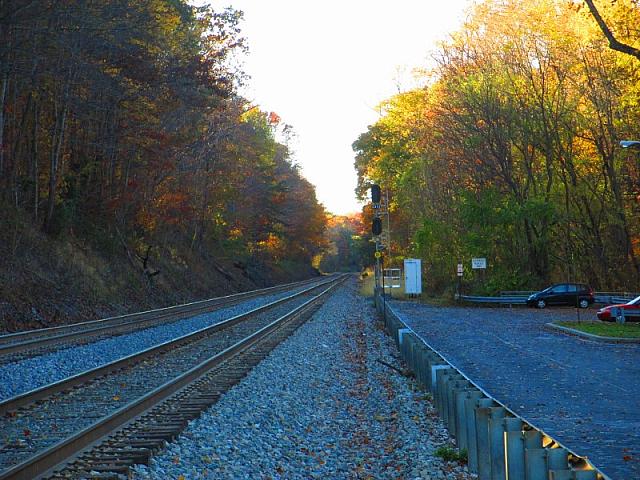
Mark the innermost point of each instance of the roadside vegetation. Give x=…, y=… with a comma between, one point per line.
x=605, y=329
x=451, y=454
x=511, y=150
x=131, y=170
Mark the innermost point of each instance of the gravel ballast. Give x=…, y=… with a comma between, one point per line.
x=321, y=405
x=20, y=377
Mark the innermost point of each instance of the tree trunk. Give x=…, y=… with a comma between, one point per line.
x=3, y=94
x=34, y=163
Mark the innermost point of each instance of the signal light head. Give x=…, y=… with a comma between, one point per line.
x=375, y=193
x=376, y=226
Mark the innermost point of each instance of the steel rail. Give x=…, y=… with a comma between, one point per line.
x=52, y=458
x=32, y=396
x=34, y=339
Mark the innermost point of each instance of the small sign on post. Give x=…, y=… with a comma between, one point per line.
x=460, y=270
x=478, y=263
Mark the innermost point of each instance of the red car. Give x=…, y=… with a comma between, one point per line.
x=634, y=305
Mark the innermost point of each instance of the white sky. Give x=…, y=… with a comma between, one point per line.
x=324, y=66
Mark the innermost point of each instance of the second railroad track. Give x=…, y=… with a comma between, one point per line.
x=98, y=423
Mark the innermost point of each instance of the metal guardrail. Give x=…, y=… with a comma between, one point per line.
x=497, y=440
x=501, y=300
x=519, y=298
x=517, y=293
x=526, y=293
x=612, y=300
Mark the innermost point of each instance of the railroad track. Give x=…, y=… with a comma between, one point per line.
x=97, y=424
x=19, y=346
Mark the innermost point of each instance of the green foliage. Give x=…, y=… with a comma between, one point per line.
x=125, y=120
x=349, y=247
x=510, y=152
x=450, y=454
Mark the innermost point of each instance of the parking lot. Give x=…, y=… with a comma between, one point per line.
x=585, y=394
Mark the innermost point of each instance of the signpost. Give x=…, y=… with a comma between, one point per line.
x=479, y=263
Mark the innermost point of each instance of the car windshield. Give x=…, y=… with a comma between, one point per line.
x=635, y=301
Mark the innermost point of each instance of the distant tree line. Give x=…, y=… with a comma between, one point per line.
x=120, y=122
x=349, y=246
x=511, y=150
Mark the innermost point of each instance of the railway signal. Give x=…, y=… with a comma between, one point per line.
x=376, y=194
x=376, y=226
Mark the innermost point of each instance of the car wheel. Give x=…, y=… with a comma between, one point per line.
x=541, y=304
x=584, y=303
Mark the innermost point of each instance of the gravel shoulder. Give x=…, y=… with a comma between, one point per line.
x=582, y=392
x=321, y=405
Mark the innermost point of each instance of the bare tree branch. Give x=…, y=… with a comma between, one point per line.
x=614, y=44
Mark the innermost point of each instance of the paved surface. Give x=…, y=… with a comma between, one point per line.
x=585, y=394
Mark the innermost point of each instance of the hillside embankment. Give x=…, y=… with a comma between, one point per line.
x=47, y=281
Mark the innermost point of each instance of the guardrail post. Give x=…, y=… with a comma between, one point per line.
x=436, y=379
x=410, y=346
x=513, y=448
x=442, y=376
x=459, y=397
x=457, y=385
x=532, y=439
x=423, y=374
x=403, y=345
x=435, y=364
x=585, y=475
x=535, y=460
x=483, y=443
x=465, y=407
x=471, y=404
x=561, y=475
x=496, y=439
x=557, y=460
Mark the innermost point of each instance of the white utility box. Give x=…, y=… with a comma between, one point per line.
x=412, y=276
